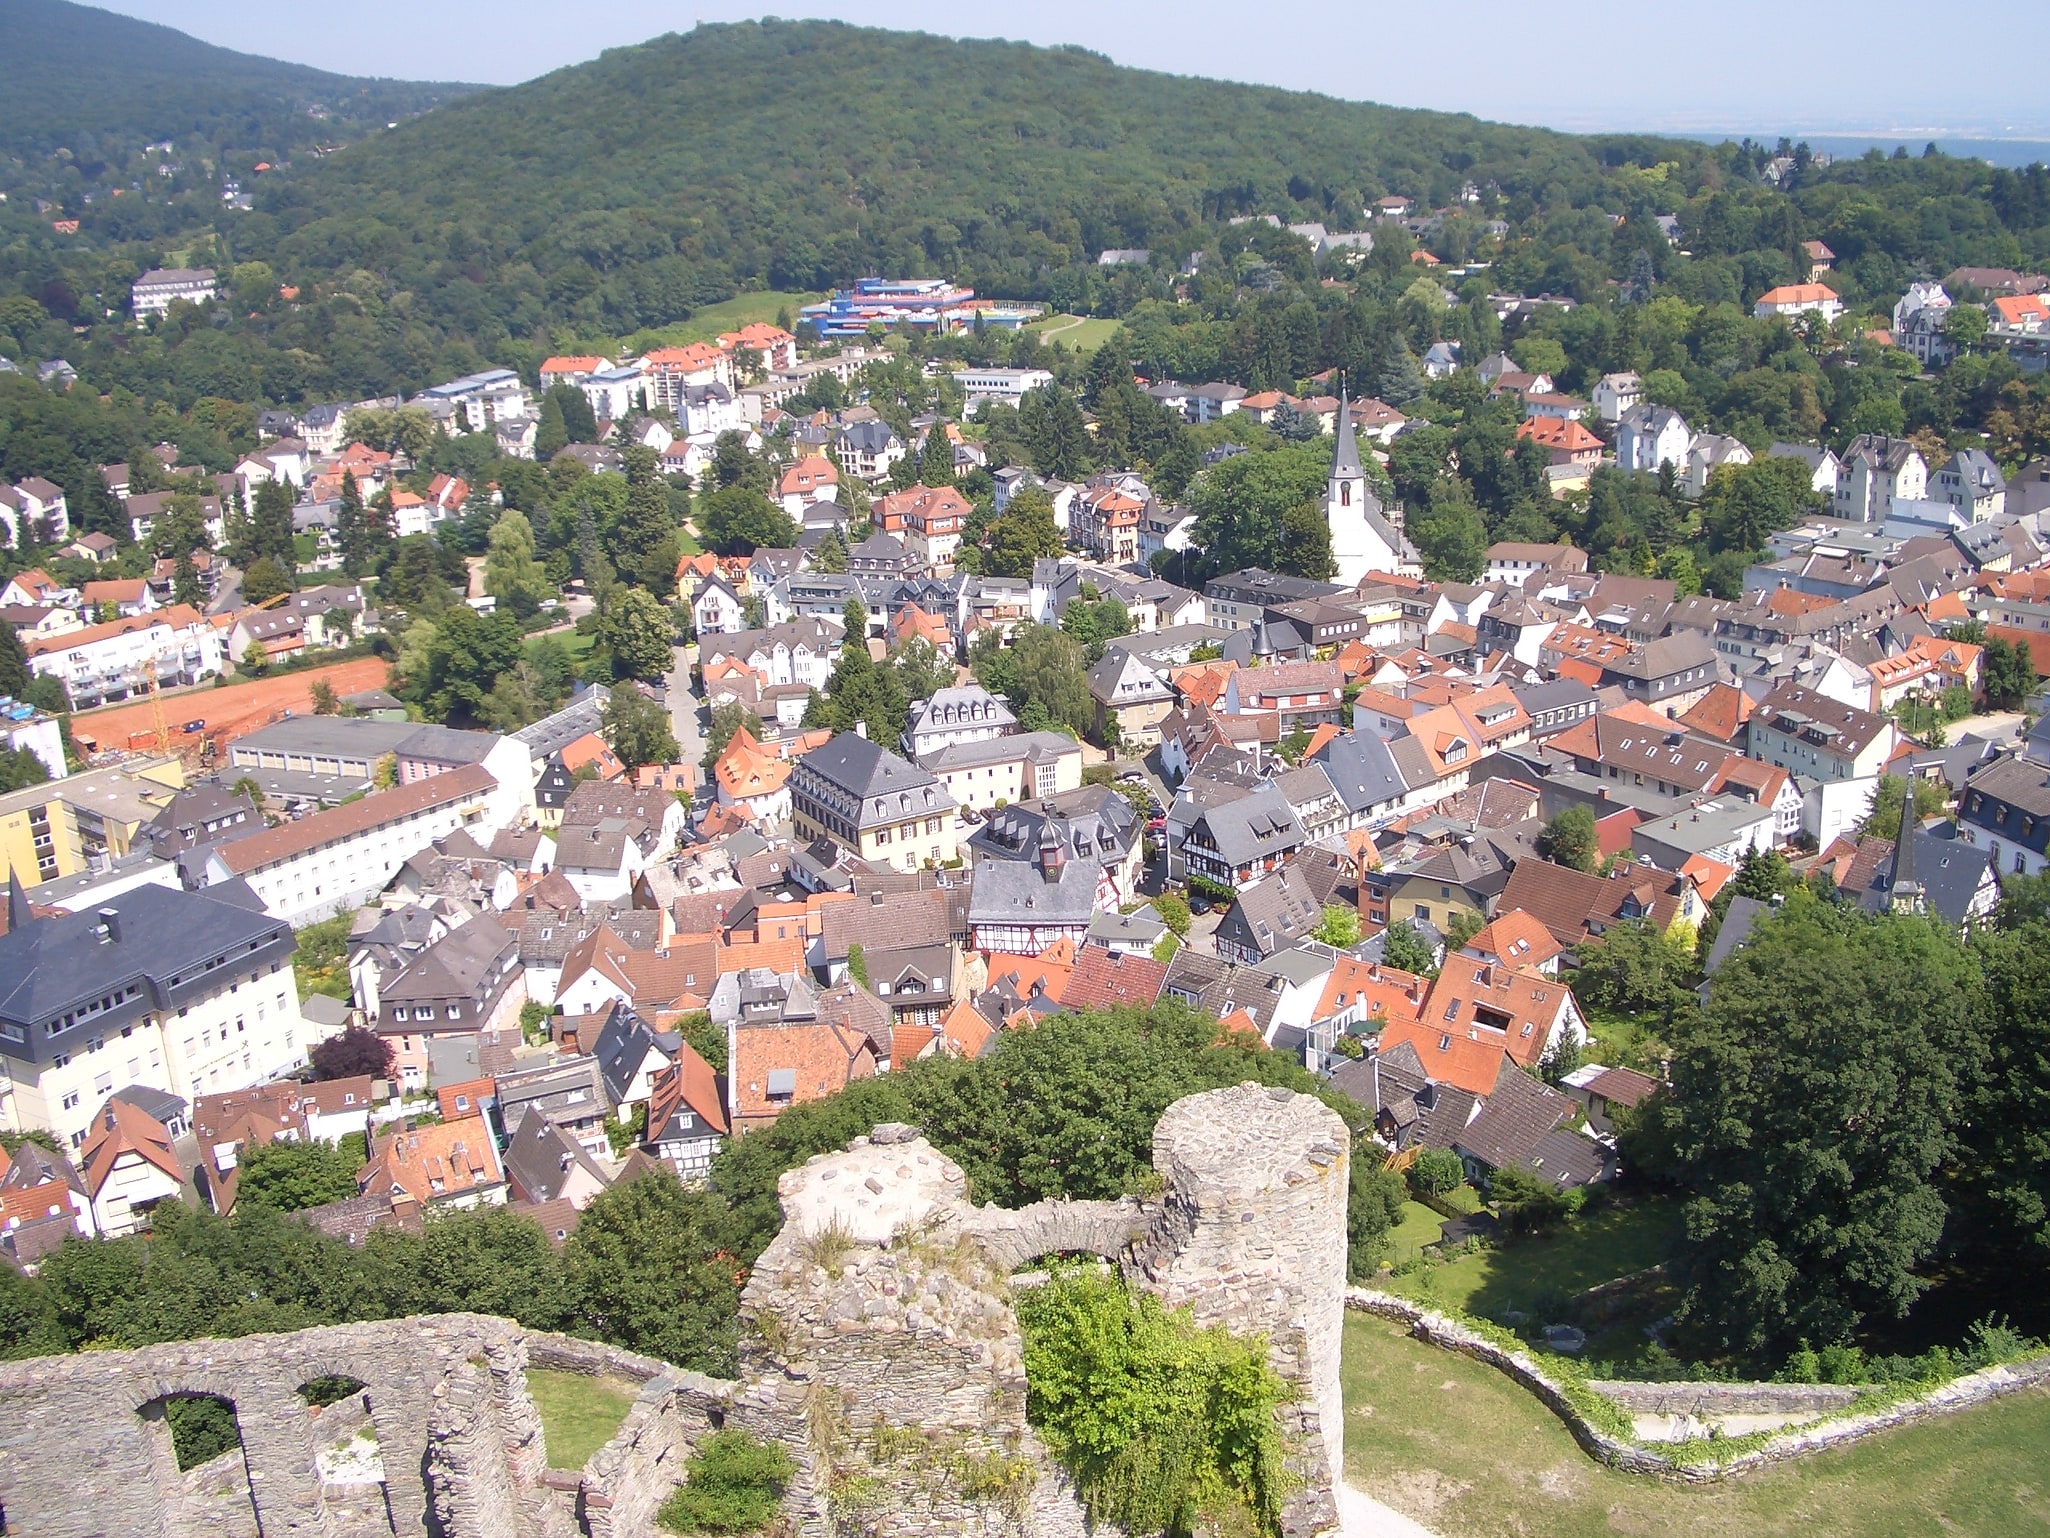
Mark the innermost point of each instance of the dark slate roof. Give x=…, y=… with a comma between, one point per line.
x=1949, y=870
x=863, y=768
x=1736, y=928
x=623, y=1045
x=1520, y=1124
x=1272, y=914
x=54, y=966
x=1260, y=824
x=1018, y=892
x=539, y=1157
x=1363, y=770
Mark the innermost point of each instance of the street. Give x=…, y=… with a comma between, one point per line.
x=686, y=721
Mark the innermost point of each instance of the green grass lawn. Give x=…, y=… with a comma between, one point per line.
x=1620, y=1040
x=1073, y=331
x=1462, y=1449
x=1609, y=1242
x=1419, y=1227
x=728, y=315
x=578, y=1414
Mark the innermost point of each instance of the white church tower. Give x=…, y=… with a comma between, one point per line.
x=1362, y=539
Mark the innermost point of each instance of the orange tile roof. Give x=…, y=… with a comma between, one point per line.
x=1516, y=939
x=824, y=1060
x=1389, y=992
x=1105, y=979
x=572, y=365
x=696, y=356
x=1720, y=713
x=745, y=769
x=592, y=749
x=1561, y=433
x=425, y=1163
x=689, y=1081
x=455, y=1101
x=807, y=477
x=1450, y=1056
x=121, y=1128
x=1798, y=293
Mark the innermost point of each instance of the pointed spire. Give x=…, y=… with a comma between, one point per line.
x=1345, y=459
x=19, y=913
x=1903, y=888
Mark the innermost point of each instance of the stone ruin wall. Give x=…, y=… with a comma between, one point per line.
x=885, y=1356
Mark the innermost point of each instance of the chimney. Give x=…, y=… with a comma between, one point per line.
x=861, y=730
x=110, y=924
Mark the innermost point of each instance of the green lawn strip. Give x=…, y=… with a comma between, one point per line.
x=1419, y=1226
x=706, y=324
x=579, y=1414
x=1074, y=332
x=1466, y=1451
x=1599, y=1246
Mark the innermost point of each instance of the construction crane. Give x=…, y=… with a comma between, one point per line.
x=156, y=693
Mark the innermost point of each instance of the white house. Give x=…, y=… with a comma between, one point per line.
x=1877, y=472
x=1799, y=299
x=1615, y=394
x=715, y=609
x=156, y=290
x=949, y=717
x=1648, y=436
x=1006, y=385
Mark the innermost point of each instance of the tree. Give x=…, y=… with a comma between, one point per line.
x=1043, y=675
x=638, y=634
x=1808, y=1110
x=1635, y=968
x=1406, y=950
x=264, y=580
x=642, y=537
x=511, y=573
x=2007, y=672
x=1569, y=839
x=637, y=729
x=1437, y=1172
x=1339, y=927
x=739, y=520
x=1397, y=379
x=1093, y=621
x=1248, y=510
x=294, y=1176
x=1884, y=818
x=829, y=555
x=351, y=531
x=21, y=768
x=647, y=1267
x=15, y=674
x=1174, y=912
x=270, y=525
x=1055, y=437
x=1527, y=1203
x=354, y=1052
x=1022, y=534
x=325, y=702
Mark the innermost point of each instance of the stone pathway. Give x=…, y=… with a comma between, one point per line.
x=1361, y=1516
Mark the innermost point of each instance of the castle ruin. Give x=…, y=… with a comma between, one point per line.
x=883, y=1354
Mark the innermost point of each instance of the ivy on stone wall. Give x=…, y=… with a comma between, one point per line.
x=1167, y=1427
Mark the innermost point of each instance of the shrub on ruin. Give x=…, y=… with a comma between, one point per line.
x=734, y=1483
x=1166, y=1427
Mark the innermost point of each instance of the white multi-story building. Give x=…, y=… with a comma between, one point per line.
x=1007, y=385
x=156, y=290
x=177, y=991
x=477, y=403
x=1648, y=436
x=102, y=663
x=340, y=858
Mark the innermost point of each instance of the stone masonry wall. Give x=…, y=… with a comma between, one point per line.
x=884, y=1355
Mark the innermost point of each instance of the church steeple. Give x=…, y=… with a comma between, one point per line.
x=1345, y=459
x=1904, y=890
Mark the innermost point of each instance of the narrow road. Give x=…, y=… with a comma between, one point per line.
x=686, y=722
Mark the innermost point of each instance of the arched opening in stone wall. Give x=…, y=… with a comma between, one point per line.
x=346, y=1449
x=202, y=1439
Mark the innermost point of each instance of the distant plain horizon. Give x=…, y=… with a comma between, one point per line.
x=1695, y=69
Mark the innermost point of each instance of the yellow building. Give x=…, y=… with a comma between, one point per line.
x=872, y=802
x=52, y=830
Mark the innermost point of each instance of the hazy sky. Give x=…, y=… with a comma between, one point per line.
x=1863, y=65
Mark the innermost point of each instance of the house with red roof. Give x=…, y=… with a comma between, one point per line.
x=129, y=1166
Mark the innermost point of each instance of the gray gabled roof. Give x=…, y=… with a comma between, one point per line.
x=1363, y=770
x=1260, y=824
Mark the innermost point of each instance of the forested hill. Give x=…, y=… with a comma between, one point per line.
x=97, y=85
x=809, y=152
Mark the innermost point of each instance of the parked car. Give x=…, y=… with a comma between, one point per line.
x=1198, y=903
x=1156, y=824
x=1131, y=777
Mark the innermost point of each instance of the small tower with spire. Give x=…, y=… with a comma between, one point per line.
x=1903, y=888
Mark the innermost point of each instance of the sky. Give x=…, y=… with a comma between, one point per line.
x=1748, y=66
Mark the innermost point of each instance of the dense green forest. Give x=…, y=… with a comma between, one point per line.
x=622, y=194
x=87, y=89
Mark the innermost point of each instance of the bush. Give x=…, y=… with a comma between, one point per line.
x=1436, y=1172
x=1166, y=1427
x=1529, y=1204
x=734, y=1483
